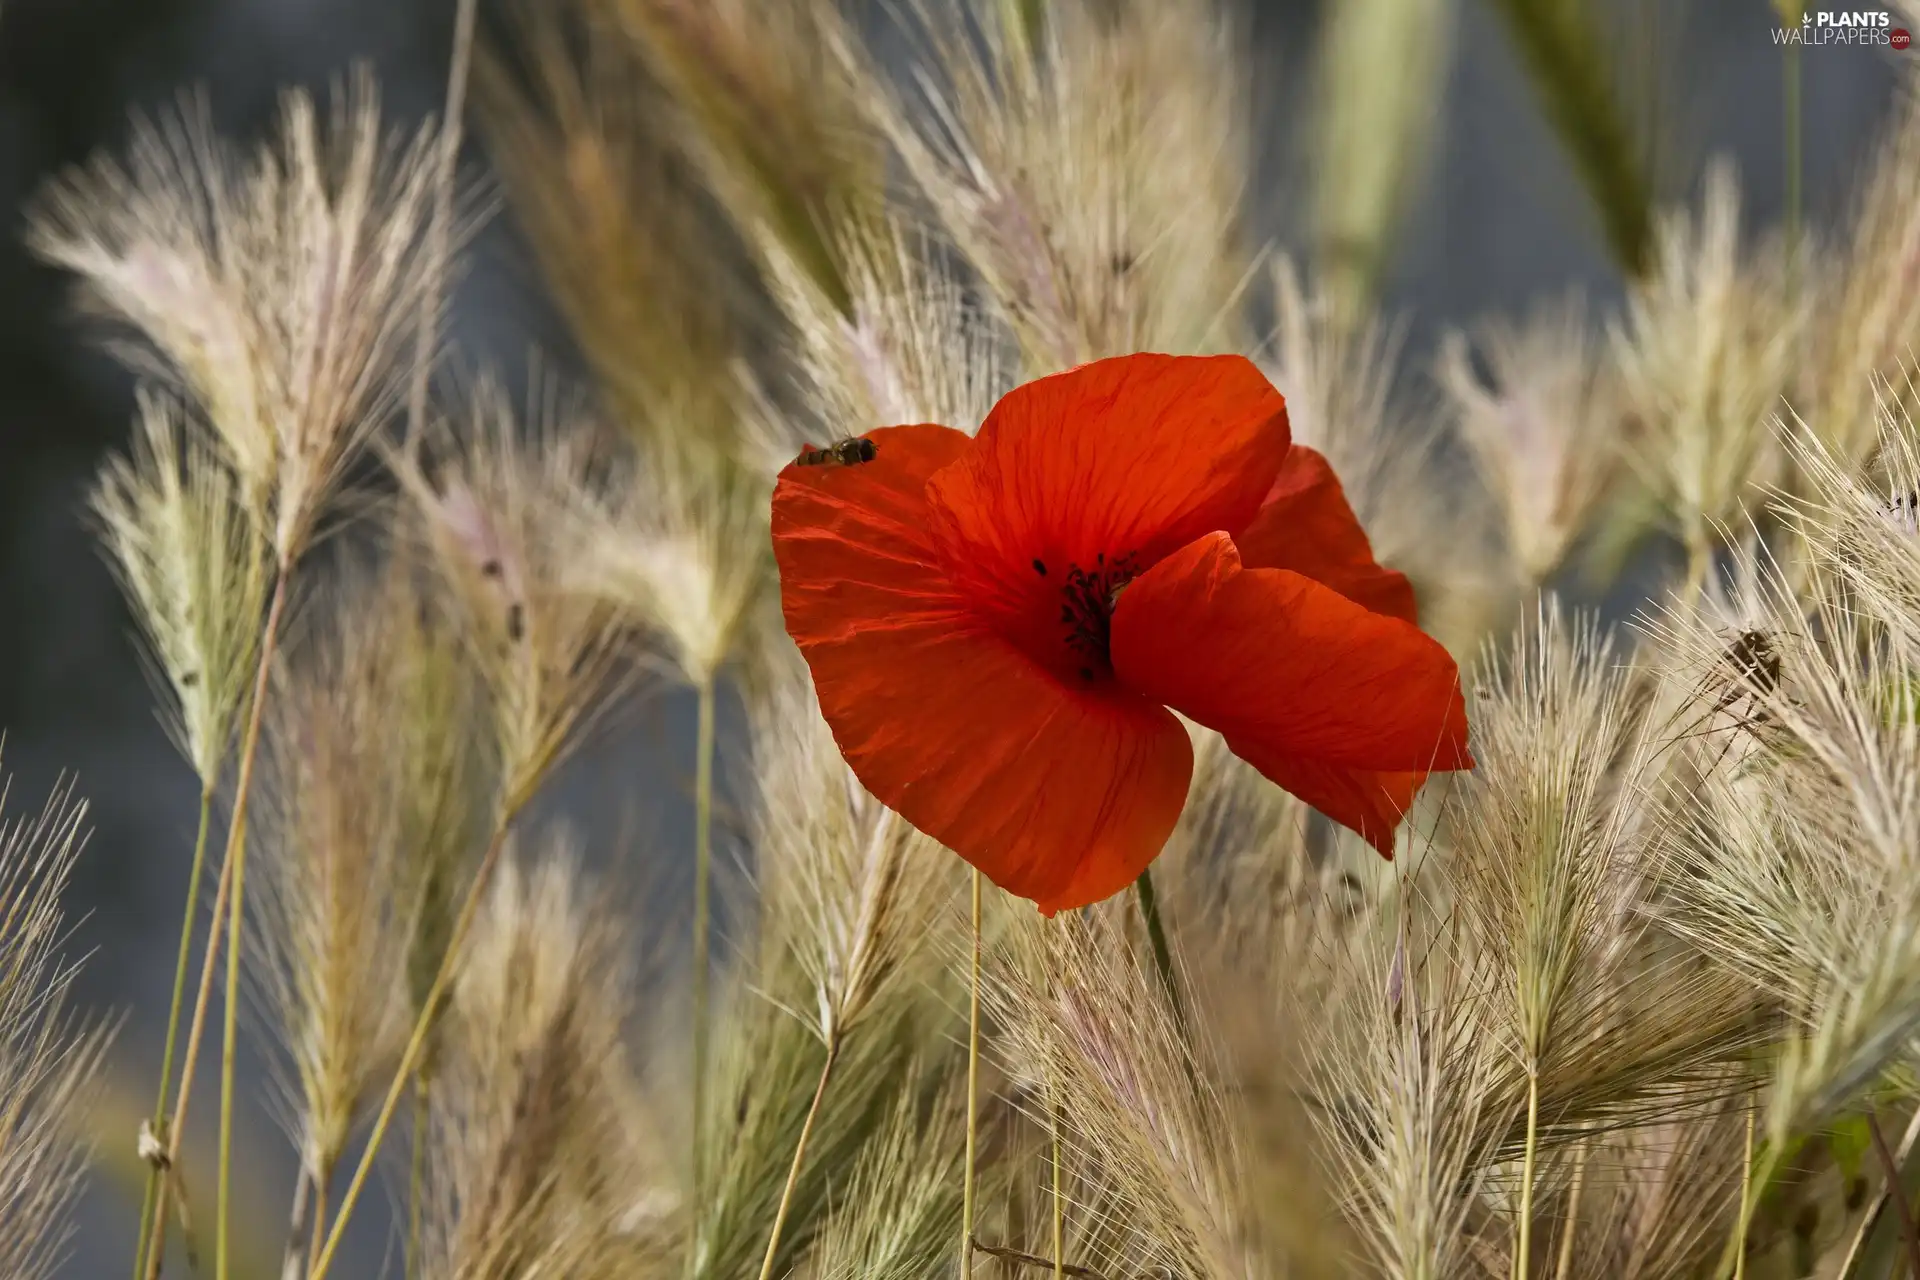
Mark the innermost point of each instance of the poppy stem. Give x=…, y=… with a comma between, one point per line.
x=1053, y=1115
x=973, y=1087
x=1157, y=937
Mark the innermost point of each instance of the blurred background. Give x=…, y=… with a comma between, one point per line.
x=1495, y=221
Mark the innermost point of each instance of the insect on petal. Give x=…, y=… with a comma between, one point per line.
x=1058, y=794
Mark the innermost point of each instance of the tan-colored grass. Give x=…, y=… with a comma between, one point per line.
x=49, y=1054
x=1631, y=1002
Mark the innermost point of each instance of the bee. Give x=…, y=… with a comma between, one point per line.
x=843, y=453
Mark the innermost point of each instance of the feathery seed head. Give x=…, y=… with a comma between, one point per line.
x=277, y=288
x=1704, y=353
x=194, y=571
x=497, y=513
x=48, y=1056
x=1544, y=433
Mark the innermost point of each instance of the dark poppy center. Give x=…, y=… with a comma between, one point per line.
x=1086, y=610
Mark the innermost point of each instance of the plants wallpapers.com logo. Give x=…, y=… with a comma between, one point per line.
x=1845, y=27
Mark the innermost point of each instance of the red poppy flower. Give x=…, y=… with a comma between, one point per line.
x=997, y=625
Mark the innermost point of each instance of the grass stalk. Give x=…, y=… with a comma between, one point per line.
x=157, y=1246
x=297, y=1225
x=1564, y=1266
x=1744, y=1219
x=322, y=1183
x=417, y=1171
x=1564, y=53
x=1746, y=1206
x=194, y=876
x=416, y=1042
x=1899, y=1195
x=196, y=1028
x=439, y=230
x=1699, y=564
x=973, y=1092
x=1522, y=1256
x=702, y=922
x=799, y=1156
x=237, y=859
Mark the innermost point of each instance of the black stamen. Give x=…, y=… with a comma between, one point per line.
x=1088, y=608
x=491, y=569
x=1040, y=567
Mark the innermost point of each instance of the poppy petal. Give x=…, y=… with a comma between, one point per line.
x=1283, y=666
x=1368, y=802
x=1115, y=463
x=1058, y=794
x=1307, y=525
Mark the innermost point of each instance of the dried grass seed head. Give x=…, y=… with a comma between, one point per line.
x=278, y=288
x=1704, y=352
x=194, y=570
x=770, y=115
x=497, y=509
x=910, y=346
x=49, y=1057
x=676, y=542
x=1090, y=166
x=531, y=1161
x=1858, y=519
x=1086, y=1030
x=1865, y=325
x=1543, y=432
x=898, y=1216
x=855, y=890
x=626, y=235
x=1796, y=869
x=1556, y=871
x=1404, y=1089
x=340, y=889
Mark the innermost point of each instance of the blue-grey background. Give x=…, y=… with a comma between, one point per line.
x=1499, y=222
